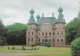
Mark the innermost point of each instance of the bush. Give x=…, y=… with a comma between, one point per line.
x=13, y=48
x=8, y=47
x=2, y=41
x=75, y=47
x=23, y=48
x=47, y=44
x=38, y=43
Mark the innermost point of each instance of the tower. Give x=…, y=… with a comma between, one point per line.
x=31, y=30
x=38, y=17
x=60, y=29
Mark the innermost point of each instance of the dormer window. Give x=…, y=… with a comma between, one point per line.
x=30, y=27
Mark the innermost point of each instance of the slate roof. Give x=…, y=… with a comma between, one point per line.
x=60, y=21
x=50, y=20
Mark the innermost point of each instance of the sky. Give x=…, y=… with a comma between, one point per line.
x=12, y=11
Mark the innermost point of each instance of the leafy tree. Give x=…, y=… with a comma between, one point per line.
x=2, y=33
x=72, y=30
x=16, y=34
x=75, y=47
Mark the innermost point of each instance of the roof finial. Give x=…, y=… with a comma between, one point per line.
x=32, y=6
x=60, y=2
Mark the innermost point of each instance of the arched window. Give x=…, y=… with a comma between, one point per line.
x=61, y=40
x=28, y=39
x=53, y=33
x=32, y=33
x=28, y=33
x=39, y=33
x=58, y=33
x=58, y=40
x=42, y=40
x=42, y=33
x=39, y=39
x=49, y=40
x=32, y=39
x=53, y=39
x=30, y=27
x=62, y=32
x=49, y=33
x=46, y=33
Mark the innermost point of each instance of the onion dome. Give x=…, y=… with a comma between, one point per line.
x=32, y=11
x=38, y=16
x=60, y=9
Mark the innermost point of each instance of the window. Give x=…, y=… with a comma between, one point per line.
x=39, y=33
x=61, y=40
x=46, y=33
x=32, y=39
x=53, y=33
x=32, y=33
x=29, y=33
x=53, y=39
x=46, y=40
x=62, y=33
x=42, y=33
x=39, y=39
x=58, y=40
x=58, y=33
x=42, y=40
x=49, y=33
x=49, y=40
x=28, y=39
x=30, y=27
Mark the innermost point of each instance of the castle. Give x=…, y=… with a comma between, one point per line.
x=46, y=29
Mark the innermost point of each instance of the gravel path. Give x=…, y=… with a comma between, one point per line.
x=23, y=54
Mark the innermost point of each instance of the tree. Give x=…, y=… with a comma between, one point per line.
x=16, y=34
x=72, y=29
x=2, y=33
x=75, y=47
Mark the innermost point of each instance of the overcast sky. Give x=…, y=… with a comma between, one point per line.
x=12, y=11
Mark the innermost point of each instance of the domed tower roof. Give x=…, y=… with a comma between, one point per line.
x=60, y=9
x=32, y=11
x=38, y=16
x=60, y=16
x=31, y=20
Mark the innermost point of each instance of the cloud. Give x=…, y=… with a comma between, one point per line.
x=12, y=11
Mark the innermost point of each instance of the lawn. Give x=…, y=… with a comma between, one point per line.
x=51, y=55
x=41, y=49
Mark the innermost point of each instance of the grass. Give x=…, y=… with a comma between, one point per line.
x=41, y=49
x=65, y=50
x=52, y=55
